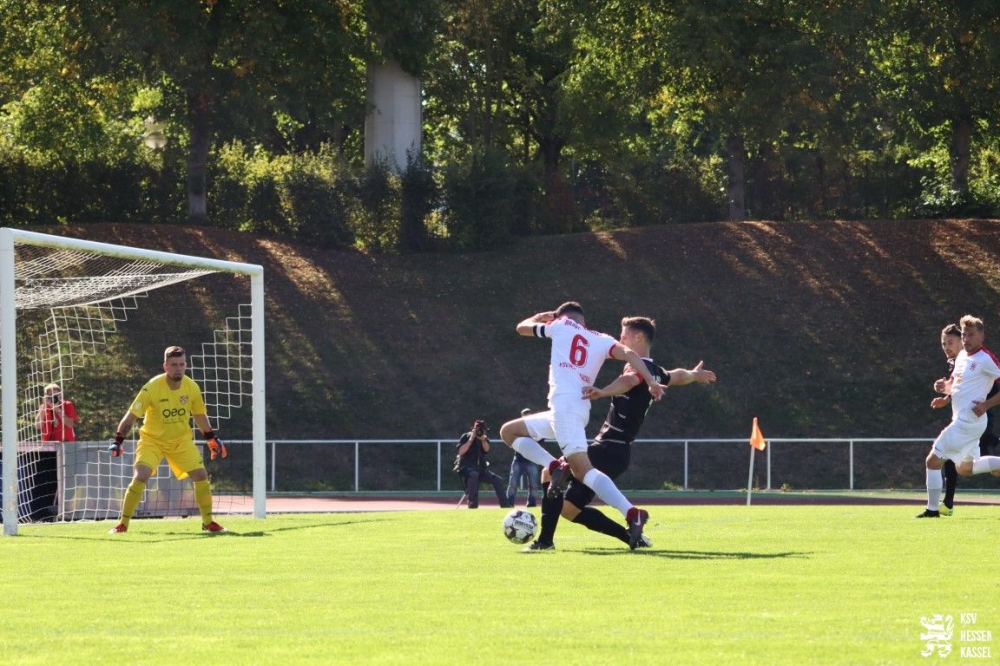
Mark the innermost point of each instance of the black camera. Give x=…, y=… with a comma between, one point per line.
x=54, y=398
x=479, y=432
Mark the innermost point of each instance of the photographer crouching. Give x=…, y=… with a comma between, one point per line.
x=472, y=467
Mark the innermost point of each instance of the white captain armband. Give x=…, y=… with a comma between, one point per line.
x=540, y=331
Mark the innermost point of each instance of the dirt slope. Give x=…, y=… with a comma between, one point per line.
x=819, y=329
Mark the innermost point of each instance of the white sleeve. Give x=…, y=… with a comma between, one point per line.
x=611, y=344
x=543, y=331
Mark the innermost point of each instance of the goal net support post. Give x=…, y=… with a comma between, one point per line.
x=72, y=313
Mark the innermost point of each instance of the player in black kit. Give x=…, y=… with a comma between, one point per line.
x=611, y=450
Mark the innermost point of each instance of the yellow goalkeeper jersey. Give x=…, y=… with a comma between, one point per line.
x=166, y=413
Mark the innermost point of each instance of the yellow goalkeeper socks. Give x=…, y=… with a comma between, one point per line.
x=133, y=495
x=203, y=495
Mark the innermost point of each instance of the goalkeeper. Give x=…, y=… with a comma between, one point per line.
x=166, y=405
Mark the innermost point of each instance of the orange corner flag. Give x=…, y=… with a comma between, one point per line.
x=756, y=438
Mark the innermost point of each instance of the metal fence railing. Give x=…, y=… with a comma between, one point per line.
x=355, y=465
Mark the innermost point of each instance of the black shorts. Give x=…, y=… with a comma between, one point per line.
x=611, y=458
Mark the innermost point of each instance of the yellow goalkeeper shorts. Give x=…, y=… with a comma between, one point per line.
x=183, y=457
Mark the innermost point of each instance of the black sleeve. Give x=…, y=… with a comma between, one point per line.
x=462, y=440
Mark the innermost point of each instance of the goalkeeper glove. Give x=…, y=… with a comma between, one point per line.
x=116, y=445
x=216, y=448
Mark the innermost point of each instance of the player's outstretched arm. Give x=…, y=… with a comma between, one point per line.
x=623, y=353
x=527, y=327
x=622, y=384
x=697, y=374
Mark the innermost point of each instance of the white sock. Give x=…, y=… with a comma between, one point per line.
x=935, y=481
x=986, y=464
x=533, y=451
x=606, y=489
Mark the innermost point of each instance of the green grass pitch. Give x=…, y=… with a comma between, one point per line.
x=722, y=585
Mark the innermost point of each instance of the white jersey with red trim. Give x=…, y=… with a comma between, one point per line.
x=577, y=356
x=972, y=379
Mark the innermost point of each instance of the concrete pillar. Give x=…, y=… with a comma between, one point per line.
x=392, y=127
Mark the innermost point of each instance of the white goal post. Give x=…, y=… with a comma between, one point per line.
x=91, y=318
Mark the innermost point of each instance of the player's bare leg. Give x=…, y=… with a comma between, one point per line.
x=515, y=435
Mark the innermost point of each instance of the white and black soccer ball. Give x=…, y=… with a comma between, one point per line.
x=519, y=526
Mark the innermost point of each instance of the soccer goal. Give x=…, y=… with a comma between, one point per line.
x=86, y=323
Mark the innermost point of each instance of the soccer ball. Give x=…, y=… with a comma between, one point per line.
x=519, y=526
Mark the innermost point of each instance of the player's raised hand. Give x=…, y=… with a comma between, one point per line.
x=701, y=375
x=216, y=448
x=656, y=390
x=115, y=449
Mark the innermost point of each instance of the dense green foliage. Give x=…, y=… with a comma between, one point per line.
x=539, y=117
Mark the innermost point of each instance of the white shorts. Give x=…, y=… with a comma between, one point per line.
x=959, y=441
x=567, y=426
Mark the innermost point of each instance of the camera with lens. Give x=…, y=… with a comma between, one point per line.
x=54, y=398
x=479, y=428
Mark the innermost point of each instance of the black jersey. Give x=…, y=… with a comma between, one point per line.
x=628, y=410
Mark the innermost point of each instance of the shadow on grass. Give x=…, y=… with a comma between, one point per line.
x=186, y=535
x=294, y=528
x=696, y=554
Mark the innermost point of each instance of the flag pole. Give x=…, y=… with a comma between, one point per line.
x=757, y=443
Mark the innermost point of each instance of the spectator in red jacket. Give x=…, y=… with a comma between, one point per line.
x=56, y=416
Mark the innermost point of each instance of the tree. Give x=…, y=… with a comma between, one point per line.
x=496, y=78
x=53, y=111
x=496, y=81
x=405, y=30
x=233, y=68
x=749, y=76
x=933, y=65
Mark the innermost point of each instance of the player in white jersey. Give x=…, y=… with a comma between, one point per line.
x=976, y=370
x=576, y=357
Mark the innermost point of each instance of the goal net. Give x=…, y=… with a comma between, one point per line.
x=83, y=327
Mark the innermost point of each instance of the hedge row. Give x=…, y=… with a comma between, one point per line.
x=477, y=203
